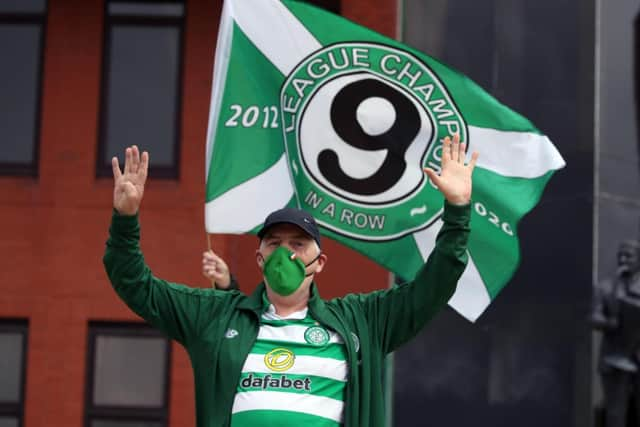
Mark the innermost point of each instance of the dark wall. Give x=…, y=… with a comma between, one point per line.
x=618, y=192
x=617, y=202
x=527, y=360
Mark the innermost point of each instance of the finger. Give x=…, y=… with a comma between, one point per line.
x=144, y=165
x=218, y=264
x=214, y=257
x=217, y=277
x=446, y=150
x=135, y=159
x=463, y=152
x=211, y=271
x=216, y=272
x=455, y=148
x=116, y=168
x=433, y=176
x=474, y=159
x=127, y=160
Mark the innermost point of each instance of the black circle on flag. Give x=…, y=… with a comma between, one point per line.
x=360, y=121
x=344, y=117
x=363, y=138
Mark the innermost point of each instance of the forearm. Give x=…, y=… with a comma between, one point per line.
x=402, y=311
x=169, y=307
x=436, y=281
x=125, y=264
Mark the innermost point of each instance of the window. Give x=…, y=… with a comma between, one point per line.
x=141, y=90
x=13, y=348
x=22, y=25
x=128, y=376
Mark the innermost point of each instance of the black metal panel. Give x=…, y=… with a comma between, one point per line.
x=527, y=360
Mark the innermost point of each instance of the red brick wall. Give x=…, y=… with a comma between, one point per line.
x=54, y=227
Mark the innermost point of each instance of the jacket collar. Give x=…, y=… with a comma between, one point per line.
x=255, y=303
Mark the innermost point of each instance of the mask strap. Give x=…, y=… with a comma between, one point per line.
x=311, y=262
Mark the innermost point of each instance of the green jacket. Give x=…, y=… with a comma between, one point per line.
x=371, y=324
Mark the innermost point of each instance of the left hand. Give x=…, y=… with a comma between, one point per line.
x=216, y=270
x=454, y=181
x=128, y=187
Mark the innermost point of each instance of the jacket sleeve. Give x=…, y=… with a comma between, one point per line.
x=174, y=309
x=398, y=314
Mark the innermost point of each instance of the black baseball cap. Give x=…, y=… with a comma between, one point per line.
x=294, y=216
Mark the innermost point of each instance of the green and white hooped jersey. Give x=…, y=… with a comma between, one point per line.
x=295, y=375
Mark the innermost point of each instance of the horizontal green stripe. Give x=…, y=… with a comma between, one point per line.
x=330, y=351
x=279, y=419
x=318, y=386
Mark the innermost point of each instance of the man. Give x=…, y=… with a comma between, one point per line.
x=616, y=313
x=283, y=356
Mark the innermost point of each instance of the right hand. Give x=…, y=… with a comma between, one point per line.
x=128, y=187
x=454, y=181
x=215, y=269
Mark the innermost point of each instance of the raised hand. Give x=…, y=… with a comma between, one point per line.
x=128, y=187
x=215, y=269
x=454, y=181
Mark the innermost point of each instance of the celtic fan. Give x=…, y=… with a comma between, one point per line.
x=283, y=356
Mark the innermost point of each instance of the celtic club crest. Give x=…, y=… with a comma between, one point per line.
x=360, y=121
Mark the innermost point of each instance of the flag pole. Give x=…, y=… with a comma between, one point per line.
x=213, y=283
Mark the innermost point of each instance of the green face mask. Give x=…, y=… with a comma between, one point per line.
x=284, y=275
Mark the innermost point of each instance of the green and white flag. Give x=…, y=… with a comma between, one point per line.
x=311, y=110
